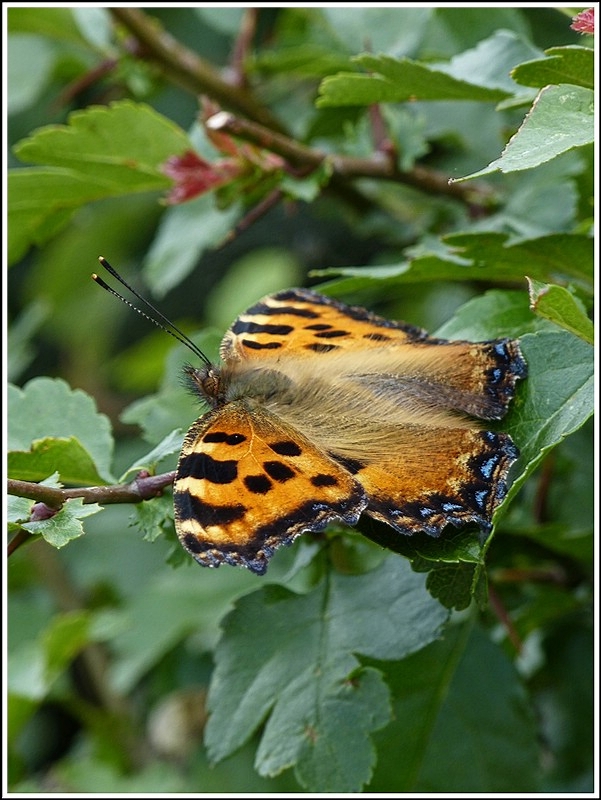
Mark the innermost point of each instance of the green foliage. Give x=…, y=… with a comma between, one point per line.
x=293, y=658
x=443, y=178
x=56, y=429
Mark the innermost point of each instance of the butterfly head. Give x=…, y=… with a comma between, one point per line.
x=206, y=381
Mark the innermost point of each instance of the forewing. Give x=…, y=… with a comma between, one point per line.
x=247, y=483
x=300, y=322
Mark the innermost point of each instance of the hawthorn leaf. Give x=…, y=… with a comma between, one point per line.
x=287, y=661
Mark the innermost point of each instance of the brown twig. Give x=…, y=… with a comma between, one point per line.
x=188, y=68
x=380, y=165
x=242, y=45
x=143, y=487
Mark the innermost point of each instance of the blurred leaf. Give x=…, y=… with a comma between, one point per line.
x=166, y=610
x=571, y=64
x=46, y=410
x=184, y=234
x=169, y=445
x=20, y=334
x=56, y=23
x=63, y=640
x=95, y=26
x=488, y=256
x=396, y=31
x=301, y=667
x=396, y=80
x=265, y=270
x=560, y=306
x=30, y=60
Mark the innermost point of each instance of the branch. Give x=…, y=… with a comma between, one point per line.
x=143, y=487
x=189, y=69
x=199, y=76
x=381, y=165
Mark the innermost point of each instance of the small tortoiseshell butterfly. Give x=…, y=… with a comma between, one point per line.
x=322, y=412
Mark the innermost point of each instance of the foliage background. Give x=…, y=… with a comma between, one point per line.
x=115, y=639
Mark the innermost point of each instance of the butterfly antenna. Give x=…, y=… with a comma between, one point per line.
x=168, y=326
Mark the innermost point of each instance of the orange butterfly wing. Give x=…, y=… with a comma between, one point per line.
x=247, y=484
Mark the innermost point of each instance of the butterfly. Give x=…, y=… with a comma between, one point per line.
x=321, y=412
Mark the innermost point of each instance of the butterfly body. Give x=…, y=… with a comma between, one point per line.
x=322, y=411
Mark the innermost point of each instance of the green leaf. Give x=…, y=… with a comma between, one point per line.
x=46, y=413
x=462, y=722
x=102, y=152
x=560, y=306
x=555, y=400
x=64, y=638
x=561, y=118
x=120, y=147
x=357, y=705
x=65, y=525
x=490, y=256
x=572, y=64
x=291, y=658
x=153, y=518
x=65, y=456
x=489, y=63
x=452, y=585
x=395, y=81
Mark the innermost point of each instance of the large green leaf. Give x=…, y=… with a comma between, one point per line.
x=102, y=152
x=290, y=660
